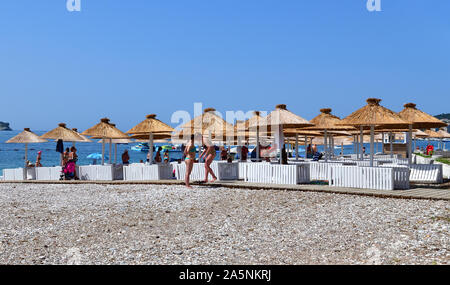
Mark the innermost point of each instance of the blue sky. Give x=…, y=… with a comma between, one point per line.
x=127, y=58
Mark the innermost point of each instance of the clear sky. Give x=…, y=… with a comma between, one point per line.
x=127, y=58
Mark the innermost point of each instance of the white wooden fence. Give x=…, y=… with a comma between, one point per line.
x=49, y=173
x=426, y=173
x=100, y=172
x=13, y=174
x=138, y=172
x=362, y=177
x=277, y=174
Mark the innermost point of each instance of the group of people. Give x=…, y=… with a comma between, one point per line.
x=69, y=160
x=208, y=154
x=38, y=161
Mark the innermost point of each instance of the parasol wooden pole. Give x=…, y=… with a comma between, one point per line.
x=306, y=146
x=372, y=149
x=296, y=147
x=410, y=145
x=103, y=150
x=361, y=142
x=115, y=153
x=257, y=143
x=391, y=146
x=325, y=145
x=150, y=147
x=26, y=154
x=110, y=150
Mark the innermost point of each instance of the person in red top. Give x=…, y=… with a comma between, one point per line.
x=429, y=149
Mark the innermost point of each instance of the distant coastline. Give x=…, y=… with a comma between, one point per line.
x=4, y=126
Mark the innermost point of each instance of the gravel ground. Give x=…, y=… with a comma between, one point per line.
x=152, y=224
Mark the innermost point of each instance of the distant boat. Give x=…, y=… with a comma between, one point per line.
x=140, y=147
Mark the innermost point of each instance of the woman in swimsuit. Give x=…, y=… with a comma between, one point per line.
x=189, y=153
x=209, y=154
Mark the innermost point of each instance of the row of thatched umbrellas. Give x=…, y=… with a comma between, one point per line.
x=280, y=122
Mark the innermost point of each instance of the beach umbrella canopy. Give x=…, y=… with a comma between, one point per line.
x=105, y=129
x=327, y=121
x=372, y=115
x=208, y=122
x=420, y=134
x=419, y=119
x=281, y=117
x=433, y=134
x=150, y=125
x=26, y=137
x=443, y=134
x=63, y=133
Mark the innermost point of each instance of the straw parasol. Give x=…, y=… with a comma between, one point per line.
x=63, y=133
x=149, y=127
x=26, y=137
x=326, y=122
x=433, y=134
x=105, y=130
x=418, y=119
x=281, y=119
x=207, y=123
x=420, y=134
x=371, y=115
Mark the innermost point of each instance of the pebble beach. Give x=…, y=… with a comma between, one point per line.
x=170, y=224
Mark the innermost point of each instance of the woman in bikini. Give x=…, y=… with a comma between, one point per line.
x=189, y=153
x=209, y=153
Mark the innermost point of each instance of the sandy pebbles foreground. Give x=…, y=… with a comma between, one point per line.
x=150, y=224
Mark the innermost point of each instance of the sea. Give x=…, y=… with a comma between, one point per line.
x=12, y=155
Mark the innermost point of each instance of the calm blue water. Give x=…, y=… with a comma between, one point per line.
x=12, y=155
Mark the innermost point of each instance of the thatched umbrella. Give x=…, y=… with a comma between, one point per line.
x=209, y=123
x=105, y=130
x=63, y=133
x=326, y=122
x=281, y=119
x=26, y=137
x=371, y=115
x=419, y=120
x=150, y=126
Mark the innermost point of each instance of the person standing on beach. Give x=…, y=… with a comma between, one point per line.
x=38, y=159
x=125, y=157
x=209, y=153
x=189, y=154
